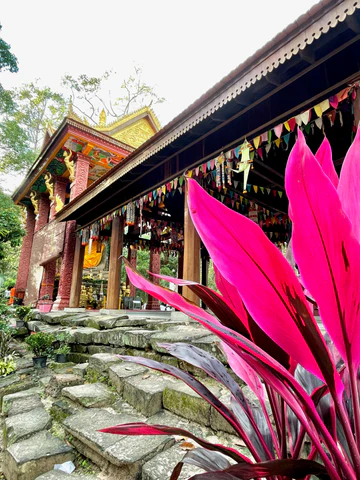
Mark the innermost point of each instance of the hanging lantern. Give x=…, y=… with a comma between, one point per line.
x=130, y=214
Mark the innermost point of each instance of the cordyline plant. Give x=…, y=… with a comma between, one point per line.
x=269, y=334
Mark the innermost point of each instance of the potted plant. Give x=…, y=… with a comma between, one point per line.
x=45, y=304
x=63, y=348
x=41, y=345
x=21, y=313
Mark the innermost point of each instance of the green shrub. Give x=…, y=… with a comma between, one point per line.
x=40, y=343
x=7, y=365
x=21, y=312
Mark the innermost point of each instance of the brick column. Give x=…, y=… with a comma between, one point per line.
x=66, y=270
x=191, y=254
x=116, y=246
x=82, y=166
x=44, y=208
x=60, y=184
x=24, y=263
x=154, y=267
x=132, y=258
x=48, y=278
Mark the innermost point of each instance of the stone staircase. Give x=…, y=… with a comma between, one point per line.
x=57, y=417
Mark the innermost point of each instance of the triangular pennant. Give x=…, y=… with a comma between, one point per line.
x=222, y=198
x=274, y=193
x=268, y=191
x=307, y=128
x=255, y=187
x=334, y=102
x=209, y=165
x=292, y=124
x=197, y=170
x=318, y=110
x=305, y=116
x=280, y=193
x=287, y=126
x=237, y=151
x=236, y=183
x=262, y=189
x=154, y=194
x=181, y=181
x=212, y=164
x=260, y=153
x=204, y=167
x=190, y=173
x=264, y=137
x=298, y=120
x=180, y=189
x=232, y=203
x=237, y=205
x=278, y=130
x=257, y=142
x=287, y=138
x=252, y=154
x=175, y=182
x=231, y=193
x=248, y=187
x=225, y=190
x=277, y=142
x=268, y=147
x=325, y=105
x=269, y=136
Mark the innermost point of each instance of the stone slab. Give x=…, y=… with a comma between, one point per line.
x=23, y=425
x=75, y=310
x=138, y=338
x=210, y=344
x=80, y=369
x=109, y=337
x=119, y=372
x=217, y=421
x=185, y=334
x=36, y=326
x=145, y=392
x=118, y=455
x=91, y=395
x=162, y=465
x=14, y=383
x=93, y=349
x=83, y=335
x=54, y=318
x=28, y=459
x=59, y=475
x=60, y=381
x=21, y=402
x=182, y=400
x=78, y=357
x=102, y=361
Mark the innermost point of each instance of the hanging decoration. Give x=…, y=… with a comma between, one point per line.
x=130, y=214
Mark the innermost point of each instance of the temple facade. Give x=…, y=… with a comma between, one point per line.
x=94, y=191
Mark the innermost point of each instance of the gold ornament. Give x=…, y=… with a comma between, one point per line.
x=59, y=204
x=70, y=165
x=35, y=202
x=49, y=186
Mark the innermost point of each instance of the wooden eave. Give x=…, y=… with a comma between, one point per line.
x=67, y=127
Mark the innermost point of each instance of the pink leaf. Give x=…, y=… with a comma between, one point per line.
x=324, y=157
x=327, y=253
x=266, y=283
x=348, y=192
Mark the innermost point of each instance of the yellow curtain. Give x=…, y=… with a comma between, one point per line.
x=93, y=258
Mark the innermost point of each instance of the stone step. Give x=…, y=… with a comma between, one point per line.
x=21, y=402
x=27, y=459
x=59, y=475
x=138, y=338
x=60, y=381
x=145, y=392
x=118, y=455
x=24, y=425
x=90, y=395
x=185, y=334
x=80, y=369
x=120, y=371
x=101, y=362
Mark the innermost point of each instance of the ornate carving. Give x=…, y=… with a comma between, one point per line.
x=59, y=204
x=70, y=165
x=102, y=118
x=135, y=134
x=35, y=202
x=81, y=176
x=49, y=186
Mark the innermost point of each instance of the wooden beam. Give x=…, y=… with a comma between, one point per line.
x=77, y=274
x=116, y=246
x=191, y=268
x=273, y=79
x=307, y=55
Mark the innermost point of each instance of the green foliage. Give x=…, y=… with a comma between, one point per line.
x=8, y=61
x=62, y=339
x=7, y=365
x=21, y=312
x=5, y=339
x=11, y=224
x=23, y=124
x=40, y=343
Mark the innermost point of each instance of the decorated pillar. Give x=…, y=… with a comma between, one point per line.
x=60, y=185
x=66, y=270
x=77, y=274
x=154, y=267
x=180, y=269
x=116, y=246
x=80, y=182
x=132, y=258
x=23, y=271
x=43, y=215
x=191, y=254
x=47, y=282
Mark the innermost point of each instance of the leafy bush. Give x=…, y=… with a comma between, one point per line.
x=40, y=343
x=22, y=311
x=7, y=365
x=269, y=334
x=62, y=340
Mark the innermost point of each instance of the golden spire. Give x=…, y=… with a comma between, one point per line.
x=102, y=118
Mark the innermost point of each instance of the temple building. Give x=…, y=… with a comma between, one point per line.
x=94, y=191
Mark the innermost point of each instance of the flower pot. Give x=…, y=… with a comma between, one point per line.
x=61, y=358
x=39, y=362
x=45, y=307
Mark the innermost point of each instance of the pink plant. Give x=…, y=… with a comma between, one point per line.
x=269, y=334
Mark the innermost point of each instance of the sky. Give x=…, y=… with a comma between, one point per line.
x=183, y=47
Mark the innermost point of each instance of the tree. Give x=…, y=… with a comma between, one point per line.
x=22, y=127
x=89, y=97
x=8, y=61
x=11, y=224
